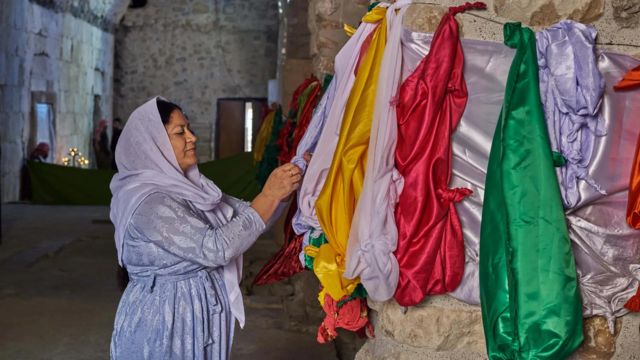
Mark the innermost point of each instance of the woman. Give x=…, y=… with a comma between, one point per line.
x=181, y=241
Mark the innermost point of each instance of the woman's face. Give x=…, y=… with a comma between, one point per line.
x=183, y=141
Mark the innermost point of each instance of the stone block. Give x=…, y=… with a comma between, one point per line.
x=548, y=12
x=441, y=323
x=67, y=45
x=35, y=21
x=599, y=342
x=628, y=341
x=38, y=84
x=424, y=18
x=626, y=13
x=11, y=71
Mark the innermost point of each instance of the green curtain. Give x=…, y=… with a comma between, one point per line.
x=531, y=307
x=62, y=185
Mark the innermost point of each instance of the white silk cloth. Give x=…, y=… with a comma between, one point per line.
x=373, y=235
x=346, y=60
x=607, y=251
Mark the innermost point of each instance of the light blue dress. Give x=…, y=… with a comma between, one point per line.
x=176, y=305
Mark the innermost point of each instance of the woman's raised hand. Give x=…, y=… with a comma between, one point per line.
x=282, y=182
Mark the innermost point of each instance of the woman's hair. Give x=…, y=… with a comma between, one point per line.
x=165, y=108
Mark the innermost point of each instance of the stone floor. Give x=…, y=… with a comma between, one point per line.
x=58, y=292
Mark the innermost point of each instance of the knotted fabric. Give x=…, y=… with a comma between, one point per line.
x=571, y=88
x=337, y=200
x=529, y=296
x=431, y=101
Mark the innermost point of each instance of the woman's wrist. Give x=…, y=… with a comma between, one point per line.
x=265, y=205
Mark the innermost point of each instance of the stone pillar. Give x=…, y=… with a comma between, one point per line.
x=442, y=327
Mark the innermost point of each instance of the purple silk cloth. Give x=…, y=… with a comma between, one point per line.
x=607, y=251
x=571, y=89
x=316, y=173
x=146, y=165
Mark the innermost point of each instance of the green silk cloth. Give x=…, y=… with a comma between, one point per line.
x=63, y=185
x=531, y=307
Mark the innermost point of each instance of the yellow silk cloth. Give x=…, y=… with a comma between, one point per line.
x=349, y=30
x=337, y=200
x=263, y=136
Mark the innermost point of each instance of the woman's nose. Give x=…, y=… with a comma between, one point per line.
x=191, y=136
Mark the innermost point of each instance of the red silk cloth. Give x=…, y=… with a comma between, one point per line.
x=431, y=101
x=285, y=262
x=633, y=202
x=285, y=138
x=352, y=315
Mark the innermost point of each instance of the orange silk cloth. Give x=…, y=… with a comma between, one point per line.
x=631, y=80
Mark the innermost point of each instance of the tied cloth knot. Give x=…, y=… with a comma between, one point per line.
x=352, y=315
x=478, y=5
x=453, y=195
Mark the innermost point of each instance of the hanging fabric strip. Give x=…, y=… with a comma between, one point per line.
x=571, y=88
x=531, y=307
x=337, y=200
x=270, y=157
x=373, y=235
x=317, y=169
x=633, y=203
x=263, y=136
x=284, y=263
x=310, y=137
x=431, y=101
x=606, y=249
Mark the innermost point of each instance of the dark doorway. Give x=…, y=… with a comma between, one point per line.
x=237, y=123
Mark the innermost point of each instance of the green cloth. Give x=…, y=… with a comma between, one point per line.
x=531, y=306
x=315, y=242
x=62, y=185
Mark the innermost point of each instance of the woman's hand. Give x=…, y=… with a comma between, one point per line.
x=282, y=182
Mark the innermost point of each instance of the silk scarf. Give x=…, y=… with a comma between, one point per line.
x=529, y=295
x=571, y=88
x=336, y=202
x=431, y=101
x=373, y=235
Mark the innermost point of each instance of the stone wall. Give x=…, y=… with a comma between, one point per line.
x=194, y=52
x=442, y=327
x=61, y=48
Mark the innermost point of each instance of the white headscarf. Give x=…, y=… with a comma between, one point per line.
x=147, y=164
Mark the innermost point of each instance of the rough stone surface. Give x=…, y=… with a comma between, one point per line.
x=42, y=50
x=626, y=13
x=440, y=324
x=194, y=52
x=326, y=19
x=444, y=328
x=599, y=342
x=547, y=12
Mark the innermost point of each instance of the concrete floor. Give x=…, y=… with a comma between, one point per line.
x=58, y=292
